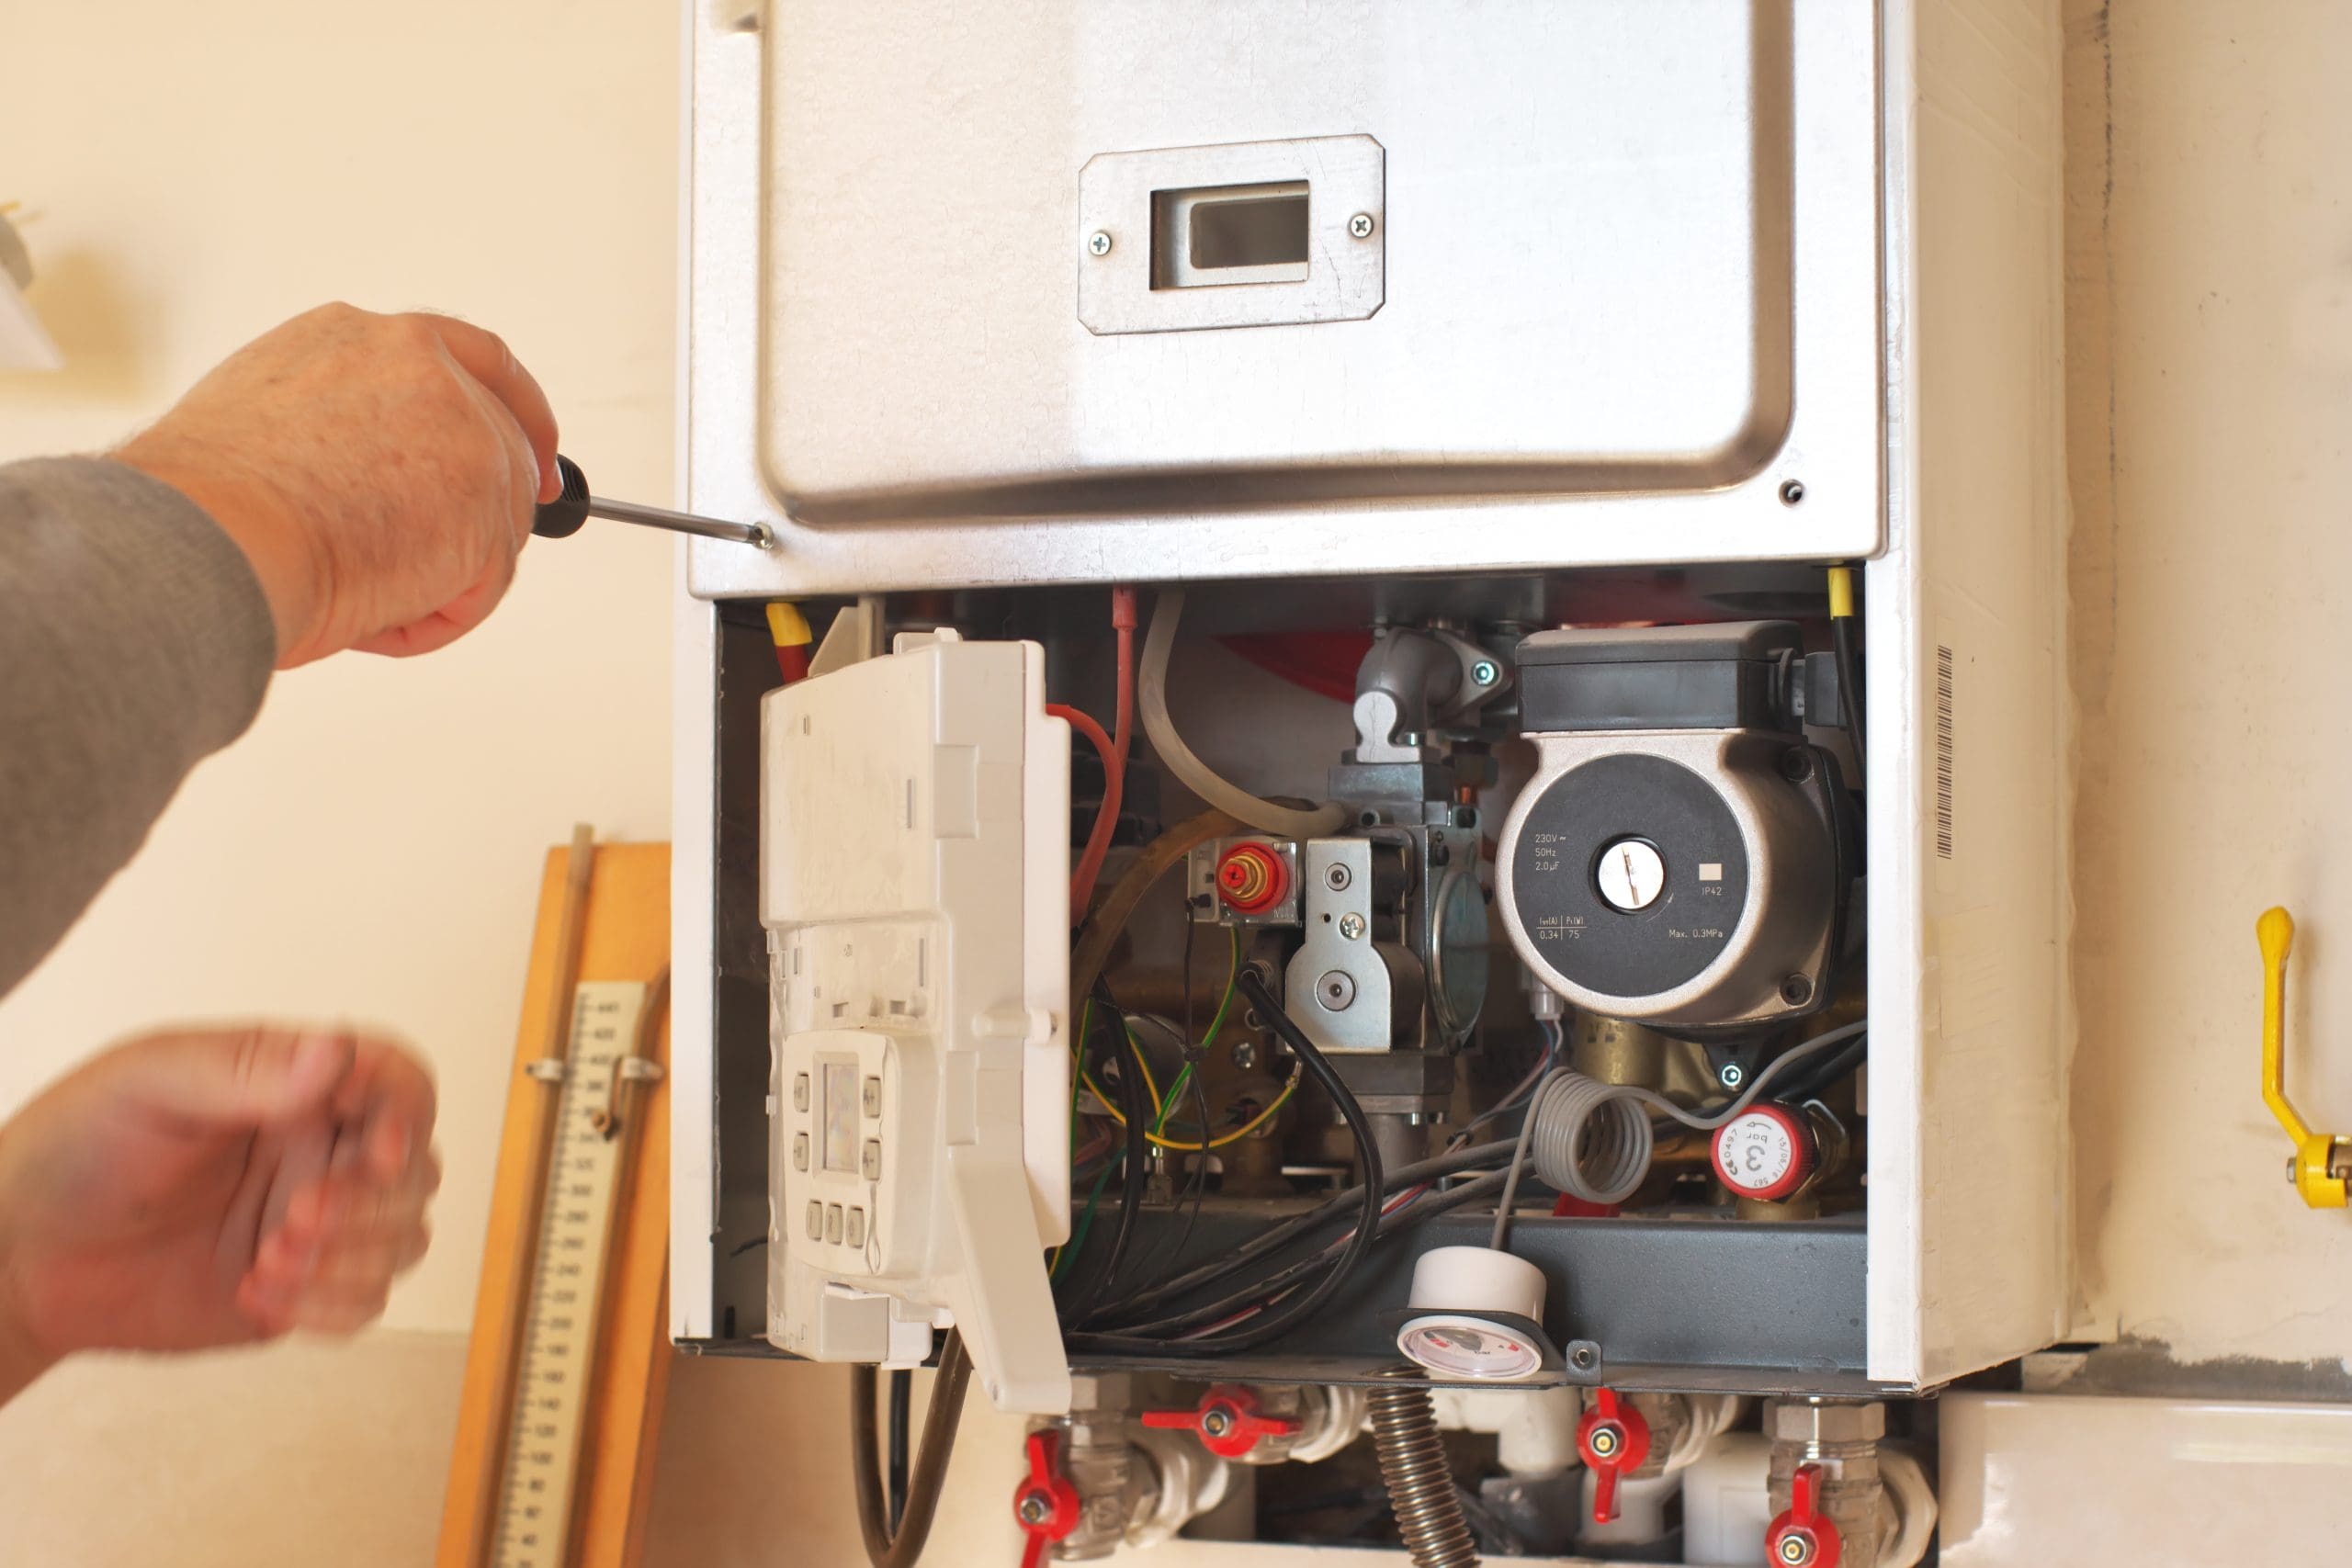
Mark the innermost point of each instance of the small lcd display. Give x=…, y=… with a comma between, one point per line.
x=841, y=1116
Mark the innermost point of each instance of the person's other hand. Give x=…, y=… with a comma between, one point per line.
x=380, y=473
x=212, y=1188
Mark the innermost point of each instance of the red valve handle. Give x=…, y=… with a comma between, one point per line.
x=1803, y=1537
x=1226, y=1419
x=1045, y=1505
x=1613, y=1440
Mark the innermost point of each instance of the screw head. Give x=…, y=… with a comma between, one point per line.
x=1792, y=492
x=1796, y=765
x=1098, y=243
x=1484, y=672
x=1360, y=226
x=1336, y=990
x=1797, y=1549
x=1605, y=1440
x=1352, y=927
x=1731, y=1075
x=1245, y=1055
x=1217, y=1421
x=1583, y=1358
x=2291, y=1171
x=1796, y=990
x=1033, y=1508
x=1336, y=878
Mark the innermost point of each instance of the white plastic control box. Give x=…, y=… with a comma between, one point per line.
x=914, y=870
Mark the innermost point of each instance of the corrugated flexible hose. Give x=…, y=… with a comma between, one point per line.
x=1421, y=1487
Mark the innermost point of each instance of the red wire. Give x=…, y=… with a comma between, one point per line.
x=1114, y=747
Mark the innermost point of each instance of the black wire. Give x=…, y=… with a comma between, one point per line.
x=1809, y=1081
x=1274, y=1325
x=1274, y=1237
x=902, y=1388
x=902, y=1547
x=1436, y=1203
x=1137, y=1111
x=1849, y=679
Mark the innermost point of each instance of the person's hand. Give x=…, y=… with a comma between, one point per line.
x=380, y=473
x=212, y=1188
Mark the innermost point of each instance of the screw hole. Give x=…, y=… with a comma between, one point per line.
x=1792, y=491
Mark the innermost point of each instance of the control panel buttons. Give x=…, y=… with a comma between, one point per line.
x=799, y=1151
x=869, y=1163
x=872, y=1096
x=834, y=1222
x=800, y=1091
x=816, y=1221
x=853, y=1229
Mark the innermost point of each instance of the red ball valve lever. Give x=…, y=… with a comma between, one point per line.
x=1614, y=1440
x=1803, y=1537
x=1226, y=1419
x=1045, y=1505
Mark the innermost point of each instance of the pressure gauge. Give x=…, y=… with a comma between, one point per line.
x=1632, y=875
x=1472, y=1349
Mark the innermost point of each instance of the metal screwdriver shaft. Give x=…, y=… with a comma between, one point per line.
x=562, y=518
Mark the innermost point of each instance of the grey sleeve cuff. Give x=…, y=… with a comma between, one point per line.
x=134, y=642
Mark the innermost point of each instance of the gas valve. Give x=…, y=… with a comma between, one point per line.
x=1045, y=1505
x=1231, y=1425
x=1614, y=1440
x=2321, y=1168
x=1803, y=1537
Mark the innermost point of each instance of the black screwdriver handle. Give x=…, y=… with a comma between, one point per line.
x=563, y=518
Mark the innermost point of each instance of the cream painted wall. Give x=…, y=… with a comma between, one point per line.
x=193, y=174
x=2210, y=366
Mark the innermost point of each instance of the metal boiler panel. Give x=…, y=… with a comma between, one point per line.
x=1608, y=272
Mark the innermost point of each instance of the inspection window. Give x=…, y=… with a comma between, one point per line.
x=1220, y=234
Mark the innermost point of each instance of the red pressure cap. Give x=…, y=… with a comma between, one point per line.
x=1613, y=1442
x=1045, y=1505
x=1251, y=878
x=1766, y=1152
x=1803, y=1537
x=1226, y=1419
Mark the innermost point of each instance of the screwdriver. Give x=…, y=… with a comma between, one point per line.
x=562, y=518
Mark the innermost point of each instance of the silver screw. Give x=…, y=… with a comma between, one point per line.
x=1217, y=1422
x=1360, y=226
x=1033, y=1509
x=1336, y=878
x=1796, y=1551
x=2291, y=1171
x=1731, y=1075
x=1245, y=1055
x=1351, y=926
x=1098, y=243
x=1484, y=672
x=1336, y=990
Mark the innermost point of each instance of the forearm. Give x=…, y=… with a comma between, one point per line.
x=134, y=641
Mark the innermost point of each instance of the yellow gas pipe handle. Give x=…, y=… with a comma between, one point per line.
x=2315, y=1164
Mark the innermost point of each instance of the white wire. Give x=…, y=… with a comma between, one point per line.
x=1151, y=703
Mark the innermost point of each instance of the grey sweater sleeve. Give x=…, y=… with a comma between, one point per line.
x=134, y=642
